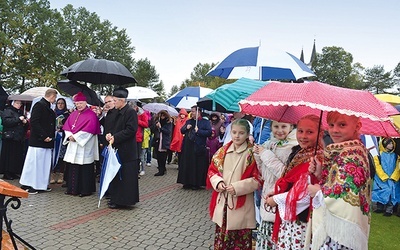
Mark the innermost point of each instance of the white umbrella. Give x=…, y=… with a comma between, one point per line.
x=110, y=168
x=157, y=107
x=140, y=93
x=188, y=97
x=36, y=91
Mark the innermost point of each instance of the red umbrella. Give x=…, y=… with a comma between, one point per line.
x=288, y=102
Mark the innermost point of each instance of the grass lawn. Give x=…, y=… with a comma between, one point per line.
x=384, y=233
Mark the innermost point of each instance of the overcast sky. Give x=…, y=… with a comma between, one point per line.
x=176, y=35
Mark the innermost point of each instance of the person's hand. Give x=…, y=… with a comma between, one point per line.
x=313, y=189
x=231, y=190
x=196, y=129
x=270, y=201
x=258, y=149
x=71, y=138
x=158, y=125
x=221, y=186
x=189, y=126
x=315, y=167
x=108, y=137
x=48, y=139
x=251, y=139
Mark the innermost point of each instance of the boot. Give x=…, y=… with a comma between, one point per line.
x=52, y=178
x=60, y=179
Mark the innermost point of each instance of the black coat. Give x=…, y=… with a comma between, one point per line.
x=123, y=124
x=166, y=129
x=43, y=125
x=12, y=123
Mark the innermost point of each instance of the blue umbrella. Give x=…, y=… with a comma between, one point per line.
x=261, y=63
x=188, y=97
x=110, y=167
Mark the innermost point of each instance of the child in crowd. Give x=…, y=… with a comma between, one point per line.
x=386, y=190
x=290, y=194
x=342, y=199
x=271, y=157
x=233, y=176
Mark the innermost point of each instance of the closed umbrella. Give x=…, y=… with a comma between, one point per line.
x=110, y=168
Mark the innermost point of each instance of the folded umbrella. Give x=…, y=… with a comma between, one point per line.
x=109, y=170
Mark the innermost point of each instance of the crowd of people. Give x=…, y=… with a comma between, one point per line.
x=282, y=179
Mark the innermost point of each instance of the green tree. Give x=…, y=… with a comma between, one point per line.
x=86, y=36
x=145, y=73
x=28, y=39
x=396, y=75
x=199, y=77
x=173, y=90
x=377, y=80
x=160, y=89
x=334, y=66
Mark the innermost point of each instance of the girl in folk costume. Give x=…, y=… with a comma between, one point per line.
x=386, y=189
x=342, y=199
x=290, y=194
x=271, y=158
x=81, y=130
x=233, y=176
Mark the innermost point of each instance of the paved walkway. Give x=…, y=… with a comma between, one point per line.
x=167, y=217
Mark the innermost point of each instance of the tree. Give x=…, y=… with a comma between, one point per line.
x=396, y=75
x=145, y=73
x=28, y=37
x=159, y=88
x=174, y=89
x=334, y=66
x=199, y=77
x=86, y=36
x=377, y=80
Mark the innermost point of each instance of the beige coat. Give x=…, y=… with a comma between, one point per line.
x=234, y=167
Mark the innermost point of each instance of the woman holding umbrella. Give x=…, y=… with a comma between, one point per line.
x=162, y=129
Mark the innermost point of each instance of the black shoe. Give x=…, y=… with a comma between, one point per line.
x=159, y=174
x=84, y=195
x=32, y=191
x=387, y=214
x=186, y=187
x=8, y=177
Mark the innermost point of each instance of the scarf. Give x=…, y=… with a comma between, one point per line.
x=294, y=180
x=345, y=174
x=217, y=167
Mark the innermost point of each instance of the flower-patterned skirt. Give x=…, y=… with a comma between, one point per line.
x=292, y=235
x=330, y=244
x=231, y=239
x=264, y=236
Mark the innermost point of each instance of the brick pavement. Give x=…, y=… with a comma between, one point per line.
x=167, y=217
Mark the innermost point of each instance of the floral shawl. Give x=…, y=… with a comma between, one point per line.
x=217, y=167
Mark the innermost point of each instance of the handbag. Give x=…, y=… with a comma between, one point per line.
x=8, y=135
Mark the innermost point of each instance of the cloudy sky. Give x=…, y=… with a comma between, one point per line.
x=176, y=35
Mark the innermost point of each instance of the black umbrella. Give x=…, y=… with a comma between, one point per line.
x=73, y=87
x=99, y=71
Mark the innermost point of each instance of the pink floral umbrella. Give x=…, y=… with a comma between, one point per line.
x=288, y=102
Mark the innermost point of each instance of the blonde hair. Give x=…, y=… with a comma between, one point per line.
x=50, y=92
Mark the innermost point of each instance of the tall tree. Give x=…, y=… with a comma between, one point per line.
x=145, y=73
x=199, y=77
x=174, y=89
x=28, y=39
x=377, y=80
x=334, y=66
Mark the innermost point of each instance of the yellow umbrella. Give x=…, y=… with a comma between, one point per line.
x=393, y=100
x=389, y=98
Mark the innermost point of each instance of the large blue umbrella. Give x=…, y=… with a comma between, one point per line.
x=188, y=97
x=226, y=97
x=261, y=63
